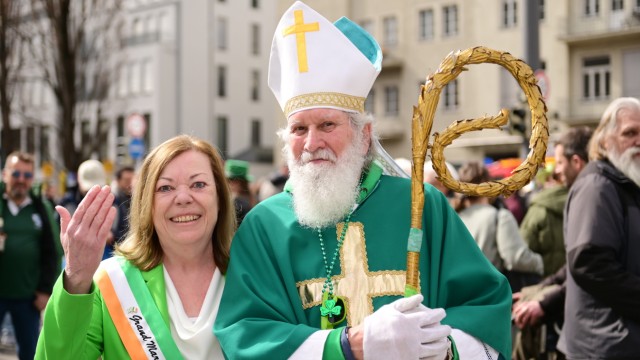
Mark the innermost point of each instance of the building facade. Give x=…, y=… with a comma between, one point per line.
x=193, y=67
x=589, y=53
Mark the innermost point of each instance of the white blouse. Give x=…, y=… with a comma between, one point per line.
x=194, y=336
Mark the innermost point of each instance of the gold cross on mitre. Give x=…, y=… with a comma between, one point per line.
x=300, y=28
x=355, y=283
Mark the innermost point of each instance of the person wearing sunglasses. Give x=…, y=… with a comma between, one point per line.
x=28, y=251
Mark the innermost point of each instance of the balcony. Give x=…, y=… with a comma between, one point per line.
x=605, y=27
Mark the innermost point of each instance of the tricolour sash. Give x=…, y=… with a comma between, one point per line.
x=133, y=311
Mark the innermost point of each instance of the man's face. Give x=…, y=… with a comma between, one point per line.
x=567, y=169
x=626, y=135
x=325, y=157
x=125, y=182
x=18, y=177
x=320, y=135
x=623, y=146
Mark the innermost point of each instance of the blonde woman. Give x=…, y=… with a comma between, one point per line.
x=159, y=296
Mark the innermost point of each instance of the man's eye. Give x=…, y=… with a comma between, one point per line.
x=298, y=130
x=328, y=124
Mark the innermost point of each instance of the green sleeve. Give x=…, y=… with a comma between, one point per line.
x=68, y=330
x=332, y=347
x=530, y=227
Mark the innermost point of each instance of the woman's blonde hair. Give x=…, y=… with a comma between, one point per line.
x=141, y=245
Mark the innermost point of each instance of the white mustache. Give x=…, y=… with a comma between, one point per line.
x=320, y=154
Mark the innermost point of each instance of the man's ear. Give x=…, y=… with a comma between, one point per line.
x=577, y=162
x=366, y=132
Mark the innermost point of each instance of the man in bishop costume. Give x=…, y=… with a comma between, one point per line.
x=318, y=271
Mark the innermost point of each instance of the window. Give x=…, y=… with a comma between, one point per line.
x=255, y=4
x=221, y=33
x=391, y=101
x=134, y=77
x=222, y=134
x=164, y=26
x=425, y=25
x=31, y=139
x=255, y=39
x=137, y=28
x=450, y=95
x=222, y=81
x=45, y=154
x=450, y=18
x=596, y=78
x=617, y=5
x=509, y=13
x=151, y=25
x=591, y=7
x=87, y=143
x=103, y=137
x=122, y=82
x=631, y=78
x=541, y=9
x=390, y=25
x=255, y=85
x=147, y=77
x=256, y=130
x=369, y=102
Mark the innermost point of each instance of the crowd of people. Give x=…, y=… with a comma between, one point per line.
x=188, y=257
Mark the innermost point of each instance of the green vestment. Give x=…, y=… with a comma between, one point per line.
x=267, y=310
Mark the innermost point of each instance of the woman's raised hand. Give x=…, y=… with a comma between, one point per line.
x=83, y=237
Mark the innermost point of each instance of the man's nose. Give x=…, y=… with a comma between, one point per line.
x=314, y=140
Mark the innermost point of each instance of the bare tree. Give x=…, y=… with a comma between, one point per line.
x=10, y=64
x=73, y=46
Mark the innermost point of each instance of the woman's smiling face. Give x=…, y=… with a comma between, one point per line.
x=185, y=201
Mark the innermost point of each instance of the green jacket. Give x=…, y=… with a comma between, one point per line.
x=541, y=227
x=50, y=258
x=80, y=327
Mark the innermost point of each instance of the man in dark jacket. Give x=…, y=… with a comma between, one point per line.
x=29, y=253
x=602, y=229
x=542, y=230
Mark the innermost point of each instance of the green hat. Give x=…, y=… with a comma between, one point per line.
x=237, y=169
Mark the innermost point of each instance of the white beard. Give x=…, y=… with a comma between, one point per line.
x=324, y=194
x=626, y=163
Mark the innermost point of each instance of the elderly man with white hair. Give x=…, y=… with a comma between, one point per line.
x=318, y=271
x=601, y=231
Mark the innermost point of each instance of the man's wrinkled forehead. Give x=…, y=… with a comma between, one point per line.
x=317, y=115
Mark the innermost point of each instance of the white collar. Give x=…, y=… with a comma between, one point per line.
x=15, y=208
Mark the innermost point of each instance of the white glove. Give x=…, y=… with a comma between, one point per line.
x=406, y=329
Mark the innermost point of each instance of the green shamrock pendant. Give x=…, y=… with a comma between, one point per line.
x=332, y=311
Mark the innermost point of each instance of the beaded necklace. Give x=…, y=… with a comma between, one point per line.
x=333, y=310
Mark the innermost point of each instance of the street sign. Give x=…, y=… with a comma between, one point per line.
x=543, y=83
x=136, y=125
x=136, y=148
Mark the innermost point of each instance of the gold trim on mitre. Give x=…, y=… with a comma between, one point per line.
x=313, y=100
